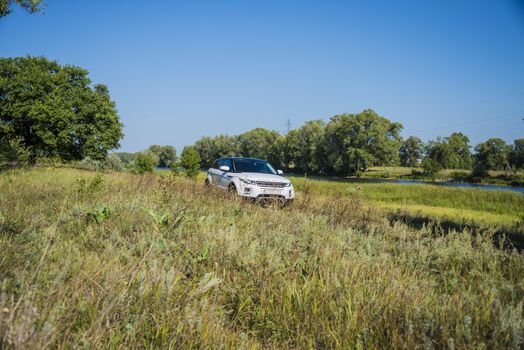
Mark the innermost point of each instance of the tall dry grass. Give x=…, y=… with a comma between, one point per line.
x=120, y=260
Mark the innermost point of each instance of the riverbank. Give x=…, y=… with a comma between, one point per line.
x=437, y=202
x=500, y=178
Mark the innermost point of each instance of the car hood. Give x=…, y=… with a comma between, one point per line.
x=261, y=177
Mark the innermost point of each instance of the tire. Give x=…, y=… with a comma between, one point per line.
x=232, y=188
x=207, y=184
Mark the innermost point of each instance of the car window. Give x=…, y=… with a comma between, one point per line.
x=229, y=163
x=215, y=165
x=253, y=166
x=226, y=162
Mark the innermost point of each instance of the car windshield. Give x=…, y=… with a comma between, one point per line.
x=253, y=166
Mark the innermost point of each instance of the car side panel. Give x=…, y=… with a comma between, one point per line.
x=213, y=176
x=223, y=179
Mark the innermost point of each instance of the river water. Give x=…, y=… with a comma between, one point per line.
x=436, y=183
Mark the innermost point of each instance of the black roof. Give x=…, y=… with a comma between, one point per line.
x=242, y=158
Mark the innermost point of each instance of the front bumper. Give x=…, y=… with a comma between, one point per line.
x=258, y=192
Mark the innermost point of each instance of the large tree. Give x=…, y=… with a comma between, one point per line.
x=516, y=155
x=166, y=155
x=491, y=155
x=257, y=143
x=411, y=151
x=55, y=110
x=452, y=152
x=460, y=149
x=211, y=148
x=31, y=6
x=354, y=142
x=278, y=153
x=305, y=145
x=438, y=152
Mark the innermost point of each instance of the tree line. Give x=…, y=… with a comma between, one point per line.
x=351, y=143
x=53, y=111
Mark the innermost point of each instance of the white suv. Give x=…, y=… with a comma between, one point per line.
x=251, y=178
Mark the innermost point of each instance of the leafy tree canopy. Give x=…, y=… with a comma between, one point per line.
x=516, y=155
x=460, y=148
x=354, y=142
x=411, y=151
x=55, y=110
x=166, y=155
x=491, y=155
x=278, y=153
x=31, y=6
x=257, y=142
x=305, y=144
x=451, y=152
x=211, y=148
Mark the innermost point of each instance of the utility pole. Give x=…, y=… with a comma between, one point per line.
x=288, y=126
x=286, y=145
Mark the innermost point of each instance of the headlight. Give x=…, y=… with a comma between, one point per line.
x=247, y=181
x=287, y=184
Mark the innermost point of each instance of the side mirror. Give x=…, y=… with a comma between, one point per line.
x=280, y=172
x=224, y=168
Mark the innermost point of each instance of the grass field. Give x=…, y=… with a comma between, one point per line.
x=120, y=260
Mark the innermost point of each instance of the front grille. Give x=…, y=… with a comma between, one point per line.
x=271, y=196
x=271, y=184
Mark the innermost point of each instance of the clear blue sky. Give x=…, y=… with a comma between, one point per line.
x=181, y=70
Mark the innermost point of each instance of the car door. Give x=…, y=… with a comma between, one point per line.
x=223, y=176
x=213, y=173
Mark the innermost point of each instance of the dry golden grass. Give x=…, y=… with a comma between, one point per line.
x=126, y=261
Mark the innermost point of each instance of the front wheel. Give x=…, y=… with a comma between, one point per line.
x=232, y=188
x=207, y=184
x=288, y=202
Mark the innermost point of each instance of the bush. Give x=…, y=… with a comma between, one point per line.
x=462, y=176
x=89, y=163
x=190, y=161
x=177, y=169
x=125, y=157
x=480, y=170
x=48, y=162
x=13, y=152
x=112, y=162
x=145, y=162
